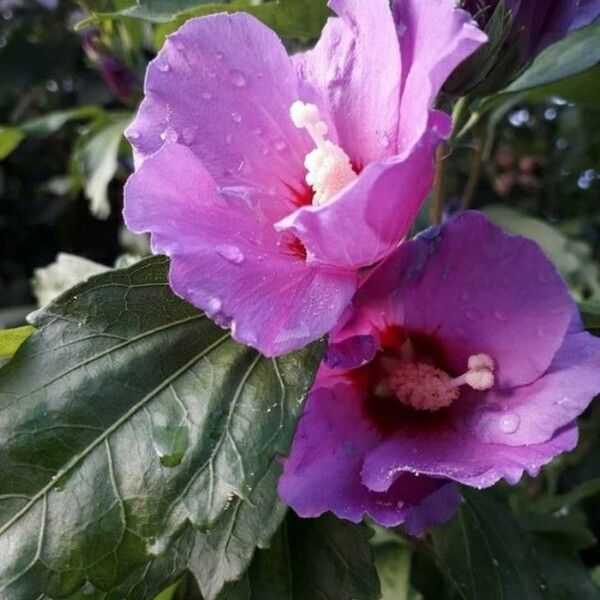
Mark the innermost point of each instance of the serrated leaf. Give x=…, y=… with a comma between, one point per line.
x=485, y=554
x=87, y=507
x=311, y=559
x=12, y=339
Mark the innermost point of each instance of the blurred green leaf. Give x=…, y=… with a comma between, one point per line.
x=299, y=19
x=325, y=558
x=11, y=339
x=87, y=499
x=485, y=554
x=590, y=312
x=10, y=138
x=96, y=160
x=52, y=122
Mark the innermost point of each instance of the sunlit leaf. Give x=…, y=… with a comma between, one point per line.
x=11, y=339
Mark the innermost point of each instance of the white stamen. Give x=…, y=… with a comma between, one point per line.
x=480, y=375
x=328, y=166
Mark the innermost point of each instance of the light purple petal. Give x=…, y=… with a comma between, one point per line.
x=589, y=11
x=227, y=259
x=322, y=472
x=531, y=414
x=438, y=450
x=369, y=218
x=223, y=85
x=476, y=289
x=356, y=67
x=435, y=37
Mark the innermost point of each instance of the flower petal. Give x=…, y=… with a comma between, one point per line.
x=361, y=90
x=438, y=450
x=474, y=288
x=435, y=37
x=531, y=414
x=369, y=218
x=227, y=259
x=223, y=85
x=322, y=472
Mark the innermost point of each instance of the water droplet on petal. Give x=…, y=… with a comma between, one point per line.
x=163, y=67
x=236, y=117
x=133, y=135
x=384, y=141
x=206, y=95
x=179, y=46
x=219, y=55
x=238, y=79
x=230, y=253
x=228, y=138
x=280, y=145
x=213, y=306
x=169, y=135
x=509, y=422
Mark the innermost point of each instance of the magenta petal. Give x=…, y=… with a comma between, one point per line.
x=435, y=37
x=476, y=289
x=531, y=414
x=322, y=472
x=356, y=67
x=369, y=218
x=223, y=85
x=441, y=451
x=227, y=259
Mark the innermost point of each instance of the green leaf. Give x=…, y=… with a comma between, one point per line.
x=10, y=138
x=310, y=559
x=484, y=553
x=299, y=19
x=393, y=566
x=11, y=339
x=52, y=122
x=96, y=159
x=87, y=501
x=590, y=312
x=571, y=56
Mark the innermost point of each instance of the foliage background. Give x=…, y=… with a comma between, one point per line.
x=536, y=155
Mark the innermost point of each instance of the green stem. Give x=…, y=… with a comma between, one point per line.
x=439, y=185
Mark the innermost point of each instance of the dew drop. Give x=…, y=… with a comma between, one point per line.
x=179, y=46
x=238, y=79
x=206, y=95
x=230, y=253
x=236, y=117
x=134, y=135
x=509, y=422
x=219, y=55
x=169, y=135
x=214, y=305
x=164, y=67
x=228, y=138
x=280, y=145
x=499, y=316
x=384, y=141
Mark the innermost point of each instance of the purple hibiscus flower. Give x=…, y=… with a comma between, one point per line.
x=478, y=369
x=269, y=180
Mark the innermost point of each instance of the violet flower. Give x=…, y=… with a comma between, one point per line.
x=519, y=31
x=269, y=180
x=478, y=368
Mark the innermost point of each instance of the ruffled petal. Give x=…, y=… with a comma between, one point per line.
x=227, y=259
x=435, y=37
x=531, y=414
x=369, y=218
x=223, y=85
x=322, y=472
x=438, y=450
x=361, y=90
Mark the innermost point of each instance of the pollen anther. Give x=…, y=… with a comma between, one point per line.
x=328, y=166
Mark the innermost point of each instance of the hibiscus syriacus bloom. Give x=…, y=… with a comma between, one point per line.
x=269, y=180
x=478, y=367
